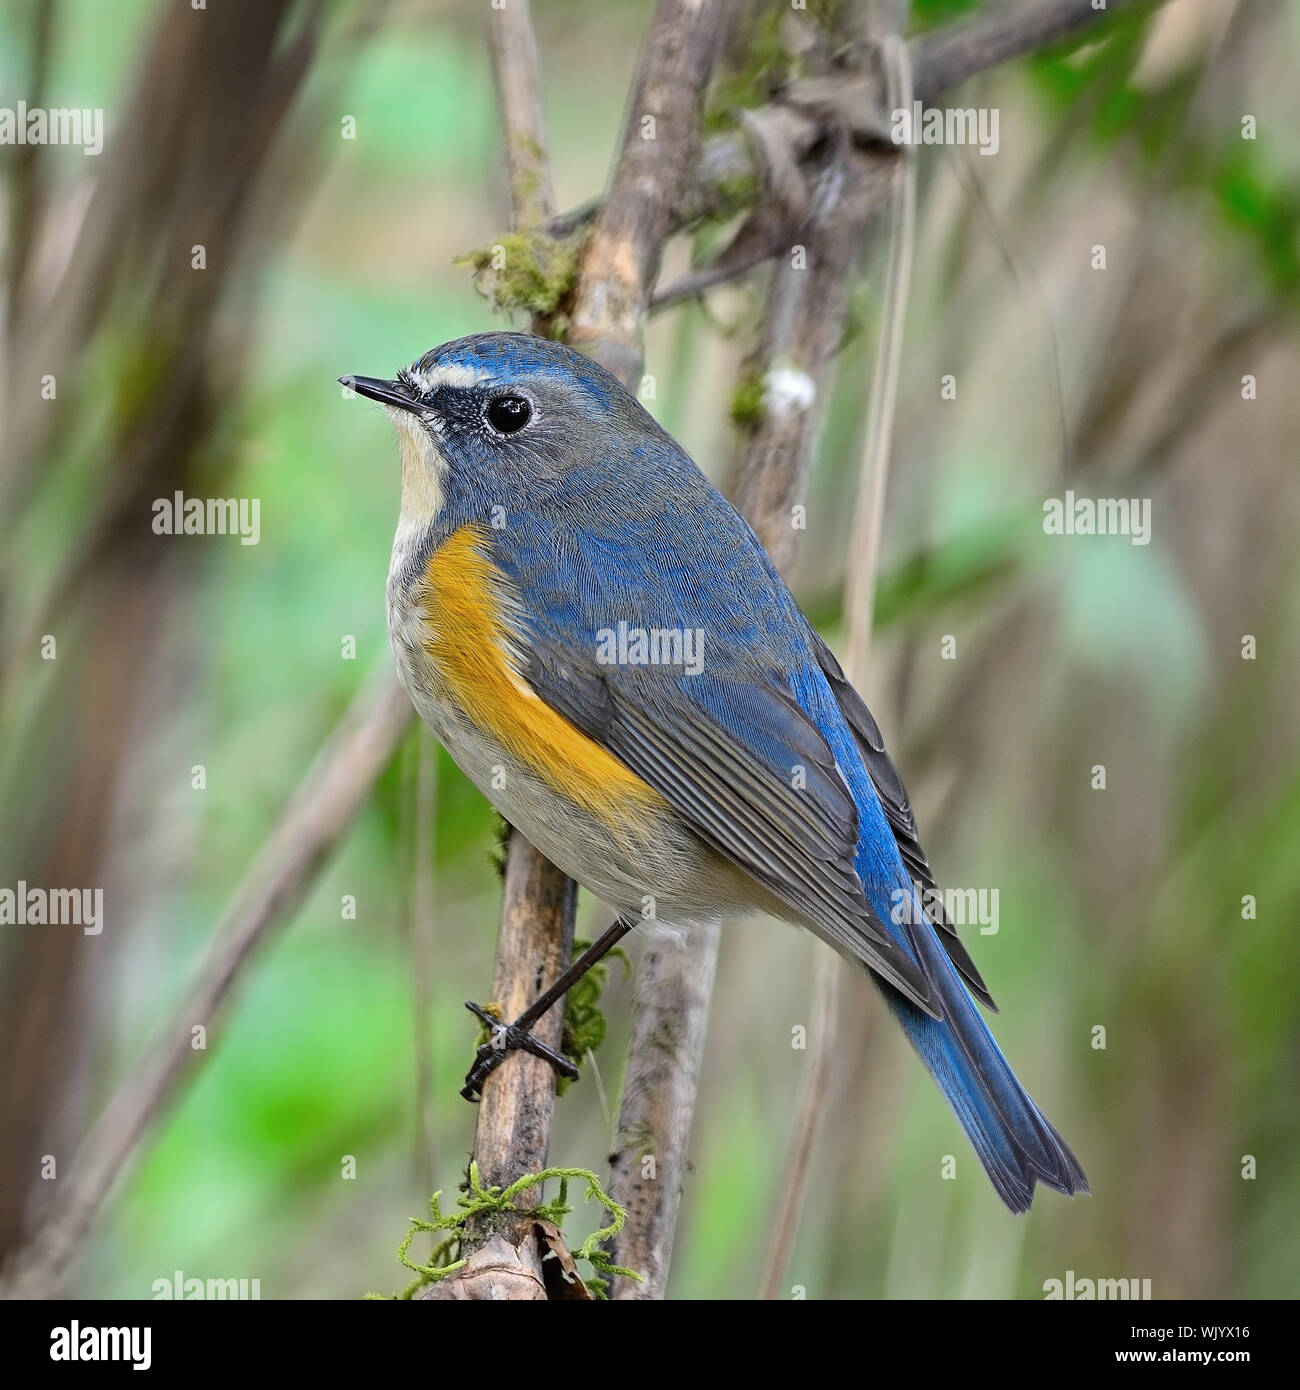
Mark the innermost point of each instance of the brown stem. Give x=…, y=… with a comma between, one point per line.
x=621, y=256
x=807, y=305
x=940, y=61
x=670, y=1013
x=859, y=589
x=533, y=948
x=523, y=123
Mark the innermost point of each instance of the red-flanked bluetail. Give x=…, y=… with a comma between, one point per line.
x=606, y=650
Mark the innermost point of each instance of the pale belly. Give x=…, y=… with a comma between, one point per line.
x=648, y=865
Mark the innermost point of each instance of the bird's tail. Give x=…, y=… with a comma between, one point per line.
x=1015, y=1143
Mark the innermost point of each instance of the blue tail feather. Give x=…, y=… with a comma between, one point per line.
x=1016, y=1145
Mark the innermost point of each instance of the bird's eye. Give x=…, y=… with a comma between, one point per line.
x=508, y=414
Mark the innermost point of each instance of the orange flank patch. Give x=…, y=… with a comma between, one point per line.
x=466, y=637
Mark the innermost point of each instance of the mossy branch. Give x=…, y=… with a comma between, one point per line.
x=529, y=271
x=478, y=1200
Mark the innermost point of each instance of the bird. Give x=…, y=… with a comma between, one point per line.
x=604, y=647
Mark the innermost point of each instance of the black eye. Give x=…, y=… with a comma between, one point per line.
x=506, y=414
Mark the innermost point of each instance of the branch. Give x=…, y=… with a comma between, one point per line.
x=803, y=115
x=948, y=57
x=621, y=256
x=321, y=810
x=670, y=1014
x=533, y=947
x=794, y=362
x=519, y=92
x=869, y=514
x=619, y=262
x=535, y=936
x=859, y=601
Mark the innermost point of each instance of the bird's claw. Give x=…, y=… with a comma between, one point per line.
x=507, y=1038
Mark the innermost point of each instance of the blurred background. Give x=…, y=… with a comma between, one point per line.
x=333, y=162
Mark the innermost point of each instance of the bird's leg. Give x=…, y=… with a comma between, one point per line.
x=514, y=1037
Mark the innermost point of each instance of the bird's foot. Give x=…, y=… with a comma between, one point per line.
x=504, y=1039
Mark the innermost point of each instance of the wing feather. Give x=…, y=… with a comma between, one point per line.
x=797, y=841
x=898, y=811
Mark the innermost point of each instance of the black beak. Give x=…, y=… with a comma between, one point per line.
x=385, y=392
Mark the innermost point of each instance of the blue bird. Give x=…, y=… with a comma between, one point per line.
x=606, y=650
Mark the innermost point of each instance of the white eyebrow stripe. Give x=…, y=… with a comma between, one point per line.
x=455, y=374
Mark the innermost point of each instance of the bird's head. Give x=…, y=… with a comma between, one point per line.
x=498, y=419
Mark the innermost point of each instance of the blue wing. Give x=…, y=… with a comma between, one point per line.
x=728, y=746
x=773, y=759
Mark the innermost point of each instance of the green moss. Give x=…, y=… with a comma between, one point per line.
x=531, y=271
x=484, y=1033
x=747, y=402
x=476, y=1200
x=640, y=1139
x=737, y=191
x=584, y=1023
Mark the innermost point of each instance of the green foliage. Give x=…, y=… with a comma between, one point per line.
x=478, y=1201
x=933, y=14
x=1254, y=190
x=1263, y=203
x=750, y=83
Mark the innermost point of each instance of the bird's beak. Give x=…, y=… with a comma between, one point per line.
x=385, y=392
